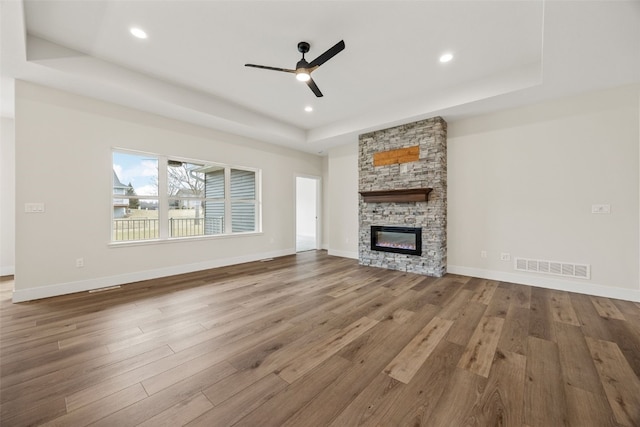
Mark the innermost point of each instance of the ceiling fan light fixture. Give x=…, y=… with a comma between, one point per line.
x=302, y=75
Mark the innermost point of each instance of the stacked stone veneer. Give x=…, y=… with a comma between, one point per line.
x=429, y=171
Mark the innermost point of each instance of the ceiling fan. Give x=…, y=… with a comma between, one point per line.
x=303, y=68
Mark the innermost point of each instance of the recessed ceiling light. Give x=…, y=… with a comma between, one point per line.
x=446, y=57
x=139, y=33
x=308, y=108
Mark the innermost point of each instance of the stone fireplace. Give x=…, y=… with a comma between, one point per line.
x=403, y=186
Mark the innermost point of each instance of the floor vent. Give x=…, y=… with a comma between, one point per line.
x=566, y=269
x=110, y=288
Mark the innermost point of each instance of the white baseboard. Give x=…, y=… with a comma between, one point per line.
x=343, y=254
x=29, y=294
x=7, y=270
x=549, y=283
x=39, y=292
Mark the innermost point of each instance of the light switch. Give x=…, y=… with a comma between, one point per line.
x=34, y=207
x=600, y=209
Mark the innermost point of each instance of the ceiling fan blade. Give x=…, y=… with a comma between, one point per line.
x=337, y=48
x=312, y=85
x=264, y=67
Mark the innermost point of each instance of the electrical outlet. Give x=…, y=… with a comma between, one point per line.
x=34, y=207
x=80, y=262
x=505, y=256
x=483, y=254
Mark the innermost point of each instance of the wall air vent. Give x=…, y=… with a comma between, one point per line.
x=557, y=268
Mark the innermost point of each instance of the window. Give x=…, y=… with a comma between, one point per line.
x=243, y=200
x=186, y=199
x=135, y=204
x=169, y=198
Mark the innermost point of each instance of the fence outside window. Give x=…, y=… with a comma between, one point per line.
x=148, y=228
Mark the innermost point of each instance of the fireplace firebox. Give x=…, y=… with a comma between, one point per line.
x=401, y=240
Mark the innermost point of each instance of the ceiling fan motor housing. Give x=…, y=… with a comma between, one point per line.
x=303, y=47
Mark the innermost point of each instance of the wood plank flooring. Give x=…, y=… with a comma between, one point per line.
x=315, y=340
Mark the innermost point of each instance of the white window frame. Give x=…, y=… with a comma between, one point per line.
x=163, y=200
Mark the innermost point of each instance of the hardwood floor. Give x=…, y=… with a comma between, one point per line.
x=314, y=340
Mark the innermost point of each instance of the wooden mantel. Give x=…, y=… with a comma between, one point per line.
x=397, y=196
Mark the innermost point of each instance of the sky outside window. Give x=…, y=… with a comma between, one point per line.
x=141, y=171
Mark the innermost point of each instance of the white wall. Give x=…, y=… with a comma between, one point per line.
x=7, y=196
x=343, y=201
x=63, y=159
x=522, y=182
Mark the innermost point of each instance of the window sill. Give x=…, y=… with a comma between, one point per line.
x=129, y=243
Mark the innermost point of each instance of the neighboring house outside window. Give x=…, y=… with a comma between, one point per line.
x=186, y=203
x=120, y=206
x=243, y=200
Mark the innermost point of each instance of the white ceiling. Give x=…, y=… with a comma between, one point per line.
x=507, y=53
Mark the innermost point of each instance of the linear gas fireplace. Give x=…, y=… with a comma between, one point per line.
x=401, y=240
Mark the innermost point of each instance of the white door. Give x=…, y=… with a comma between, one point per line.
x=306, y=213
